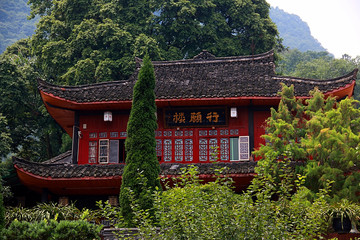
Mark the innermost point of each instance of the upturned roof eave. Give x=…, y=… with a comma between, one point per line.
x=61, y=103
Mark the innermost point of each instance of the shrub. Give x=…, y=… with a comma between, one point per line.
x=43, y=211
x=214, y=211
x=51, y=230
x=76, y=230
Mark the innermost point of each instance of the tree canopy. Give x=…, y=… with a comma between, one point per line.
x=87, y=41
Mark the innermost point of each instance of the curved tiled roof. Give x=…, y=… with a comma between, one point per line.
x=57, y=170
x=204, y=76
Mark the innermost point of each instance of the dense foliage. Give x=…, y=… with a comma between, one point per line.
x=333, y=142
x=141, y=160
x=47, y=230
x=27, y=128
x=87, y=41
x=2, y=210
x=213, y=211
x=317, y=65
x=322, y=130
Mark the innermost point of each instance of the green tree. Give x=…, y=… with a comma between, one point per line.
x=141, y=173
x=33, y=133
x=2, y=210
x=292, y=57
x=285, y=129
x=323, y=132
x=5, y=139
x=317, y=65
x=333, y=143
x=102, y=37
x=87, y=41
x=224, y=28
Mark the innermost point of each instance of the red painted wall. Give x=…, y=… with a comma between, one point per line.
x=94, y=123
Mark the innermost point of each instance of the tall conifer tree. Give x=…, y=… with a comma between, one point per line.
x=141, y=172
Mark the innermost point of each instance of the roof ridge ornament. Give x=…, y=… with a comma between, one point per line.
x=204, y=55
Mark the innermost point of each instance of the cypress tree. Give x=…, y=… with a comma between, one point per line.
x=141, y=172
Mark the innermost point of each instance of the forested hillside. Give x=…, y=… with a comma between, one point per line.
x=294, y=31
x=13, y=22
x=14, y=25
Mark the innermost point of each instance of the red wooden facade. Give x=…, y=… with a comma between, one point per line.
x=103, y=141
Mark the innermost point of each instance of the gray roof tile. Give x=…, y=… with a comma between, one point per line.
x=204, y=76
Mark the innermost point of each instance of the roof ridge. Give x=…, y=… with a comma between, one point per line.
x=43, y=83
x=343, y=78
x=196, y=60
x=17, y=160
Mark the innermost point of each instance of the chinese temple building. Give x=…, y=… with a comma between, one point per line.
x=203, y=104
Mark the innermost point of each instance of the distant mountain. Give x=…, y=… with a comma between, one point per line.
x=294, y=31
x=13, y=22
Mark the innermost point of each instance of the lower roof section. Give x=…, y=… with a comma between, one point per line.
x=72, y=179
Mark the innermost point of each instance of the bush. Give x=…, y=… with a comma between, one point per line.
x=51, y=230
x=43, y=211
x=29, y=231
x=76, y=230
x=213, y=211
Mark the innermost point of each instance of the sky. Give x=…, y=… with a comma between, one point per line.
x=334, y=23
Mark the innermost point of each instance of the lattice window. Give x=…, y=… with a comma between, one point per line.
x=92, y=151
x=103, y=151
x=224, y=149
x=123, y=134
x=234, y=131
x=189, y=133
x=189, y=147
x=103, y=135
x=213, y=145
x=167, y=133
x=179, y=149
x=203, y=133
x=114, y=134
x=92, y=135
x=224, y=132
x=179, y=133
x=213, y=132
x=203, y=149
x=167, y=150
x=244, y=148
x=158, y=147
